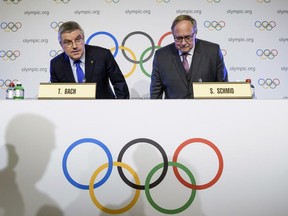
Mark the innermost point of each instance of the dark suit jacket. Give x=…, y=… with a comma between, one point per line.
x=169, y=76
x=100, y=67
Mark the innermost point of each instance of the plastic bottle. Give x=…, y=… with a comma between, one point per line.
x=10, y=91
x=18, y=91
x=252, y=88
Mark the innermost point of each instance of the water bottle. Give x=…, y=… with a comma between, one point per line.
x=10, y=91
x=252, y=88
x=18, y=91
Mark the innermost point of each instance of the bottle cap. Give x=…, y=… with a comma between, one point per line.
x=18, y=83
x=248, y=80
x=11, y=84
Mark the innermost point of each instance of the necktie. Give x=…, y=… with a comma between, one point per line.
x=79, y=71
x=185, y=61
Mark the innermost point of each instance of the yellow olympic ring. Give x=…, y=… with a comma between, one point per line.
x=96, y=202
x=133, y=56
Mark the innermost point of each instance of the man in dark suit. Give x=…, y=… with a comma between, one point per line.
x=177, y=65
x=84, y=63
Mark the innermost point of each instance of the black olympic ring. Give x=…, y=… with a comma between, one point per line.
x=152, y=45
x=165, y=162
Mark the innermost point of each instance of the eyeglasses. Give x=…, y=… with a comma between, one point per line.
x=69, y=43
x=187, y=38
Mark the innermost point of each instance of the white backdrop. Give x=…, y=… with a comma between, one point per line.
x=252, y=34
x=35, y=138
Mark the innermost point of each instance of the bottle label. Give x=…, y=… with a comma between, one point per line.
x=10, y=94
x=19, y=94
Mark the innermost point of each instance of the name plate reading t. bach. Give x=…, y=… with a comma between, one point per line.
x=224, y=90
x=67, y=91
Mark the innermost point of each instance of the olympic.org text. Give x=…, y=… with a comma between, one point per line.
x=37, y=12
x=282, y=12
x=188, y=11
x=33, y=41
x=242, y=68
x=240, y=40
x=33, y=69
x=283, y=40
x=232, y=12
x=137, y=11
x=87, y=12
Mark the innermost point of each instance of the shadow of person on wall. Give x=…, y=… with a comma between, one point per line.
x=10, y=197
x=30, y=138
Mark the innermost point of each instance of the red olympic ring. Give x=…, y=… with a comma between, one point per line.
x=218, y=174
x=162, y=37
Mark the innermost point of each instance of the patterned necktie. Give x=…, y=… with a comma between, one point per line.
x=79, y=71
x=185, y=61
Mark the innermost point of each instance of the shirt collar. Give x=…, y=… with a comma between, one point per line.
x=190, y=51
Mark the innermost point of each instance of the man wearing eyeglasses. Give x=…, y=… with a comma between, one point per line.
x=85, y=63
x=187, y=60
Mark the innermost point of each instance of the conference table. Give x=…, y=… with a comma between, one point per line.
x=144, y=157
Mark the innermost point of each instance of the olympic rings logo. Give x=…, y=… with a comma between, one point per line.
x=11, y=26
x=215, y=1
x=9, y=54
x=214, y=25
x=270, y=54
x=62, y=1
x=160, y=1
x=269, y=83
x=4, y=84
x=12, y=1
x=224, y=52
x=265, y=25
x=124, y=49
x=54, y=53
x=148, y=185
x=114, y=1
x=54, y=25
x=261, y=1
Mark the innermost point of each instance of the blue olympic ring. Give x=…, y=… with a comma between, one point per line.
x=108, y=34
x=93, y=141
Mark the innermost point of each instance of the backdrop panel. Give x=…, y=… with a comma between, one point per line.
x=63, y=158
x=252, y=35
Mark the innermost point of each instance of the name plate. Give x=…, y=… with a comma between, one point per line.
x=224, y=90
x=67, y=91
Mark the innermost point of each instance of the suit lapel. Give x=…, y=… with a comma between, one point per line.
x=195, y=62
x=67, y=69
x=89, y=65
x=179, y=66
